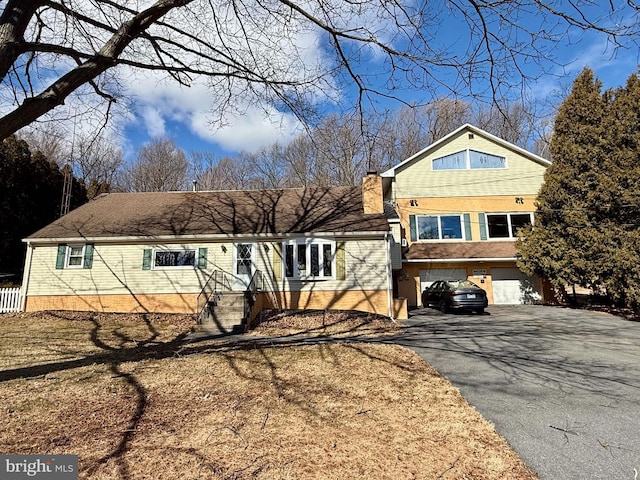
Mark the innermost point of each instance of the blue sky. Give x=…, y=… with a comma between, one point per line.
x=182, y=114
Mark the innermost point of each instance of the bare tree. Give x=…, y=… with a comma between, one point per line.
x=160, y=166
x=299, y=159
x=225, y=174
x=96, y=158
x=49, y=140
x=267, y=167
x=93, y=157
x=260, y=51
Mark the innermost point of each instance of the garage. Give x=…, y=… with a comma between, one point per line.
x=427, y=277
x=511, y=287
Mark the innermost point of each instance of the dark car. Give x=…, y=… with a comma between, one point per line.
x=455, y=295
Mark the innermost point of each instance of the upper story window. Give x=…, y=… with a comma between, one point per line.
x=468, y=160
x=174, y=258
x=439, y=227
x=506, y=225
x=309, y=258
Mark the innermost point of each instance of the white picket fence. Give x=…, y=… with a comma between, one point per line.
x=9, y=300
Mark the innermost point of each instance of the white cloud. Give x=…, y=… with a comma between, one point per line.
x=153, y=121
x=249, y=131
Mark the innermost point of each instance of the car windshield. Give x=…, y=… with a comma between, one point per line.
x=462, y=284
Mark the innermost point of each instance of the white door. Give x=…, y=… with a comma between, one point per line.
x=512, y=287
x=244, y=265
x=428, y=276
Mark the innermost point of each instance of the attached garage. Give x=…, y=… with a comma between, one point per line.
x=512, y=287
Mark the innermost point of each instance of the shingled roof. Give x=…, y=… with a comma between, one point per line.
x=260, y=212
x=461, y=250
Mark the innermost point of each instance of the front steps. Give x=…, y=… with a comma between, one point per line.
x=224, y=313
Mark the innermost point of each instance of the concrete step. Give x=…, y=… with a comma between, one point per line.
x=228, y=300
x=213, y=329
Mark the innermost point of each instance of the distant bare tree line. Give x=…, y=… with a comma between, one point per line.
x=339, y=151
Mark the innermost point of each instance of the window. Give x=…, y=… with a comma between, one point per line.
x=485, y=160
x=506, y=225
x=174, y=258
x=243, y=259
x=439, y=227
x=74, y=256
x=456, y=161
x=309, y=258
x=468, y=160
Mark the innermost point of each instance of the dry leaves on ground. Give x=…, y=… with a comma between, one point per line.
x=136, y=405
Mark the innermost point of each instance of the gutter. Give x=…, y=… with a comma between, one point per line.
x=204, y=238
x=389, y=277
x=25, y=277
x=459, y=260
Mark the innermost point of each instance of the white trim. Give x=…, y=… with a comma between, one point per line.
x=467, y=157
x=440, y=238
x=508, y=214
x=389, y=277
x=542, y=161
x=173, y=267
x=295, y=242
x=26, y=277
x=240, y=281
x=244, y=238
x=67, y=255
x=459, y=260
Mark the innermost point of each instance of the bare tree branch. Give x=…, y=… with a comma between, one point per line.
x=259, y=49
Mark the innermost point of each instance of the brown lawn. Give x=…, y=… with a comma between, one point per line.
x=134, y=400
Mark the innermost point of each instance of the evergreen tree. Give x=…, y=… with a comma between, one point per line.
x=561, y=245
x=30, y=197
x=587, y=228
x=620, y=185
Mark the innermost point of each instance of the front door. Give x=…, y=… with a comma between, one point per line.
x=243, y=265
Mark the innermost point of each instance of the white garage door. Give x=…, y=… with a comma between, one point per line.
x=511, y=286
x=427, y=277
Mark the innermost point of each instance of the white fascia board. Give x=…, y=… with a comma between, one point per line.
x=201, y=238
x=459, y=260
x=478, y=131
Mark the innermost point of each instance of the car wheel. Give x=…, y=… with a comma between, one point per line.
x=443, y=306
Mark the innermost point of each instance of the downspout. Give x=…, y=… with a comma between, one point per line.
x=389, y=277
x=25, y=277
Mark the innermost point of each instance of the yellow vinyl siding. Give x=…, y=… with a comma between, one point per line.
x=523, y=176
x=364, y=266
x=461, y=205
x=117, y=270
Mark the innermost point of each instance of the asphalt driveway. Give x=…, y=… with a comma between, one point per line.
x=562, y=386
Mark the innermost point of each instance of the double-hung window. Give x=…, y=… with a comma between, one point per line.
x=74, y=256
x=309, y=258
x=506, y=225
x=439, y=227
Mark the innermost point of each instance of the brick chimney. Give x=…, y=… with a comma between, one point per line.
x=372, y=193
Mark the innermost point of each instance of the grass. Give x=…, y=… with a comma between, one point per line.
x=134, y=399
